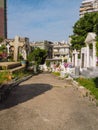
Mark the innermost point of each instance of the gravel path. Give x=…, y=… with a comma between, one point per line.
x=44, y=102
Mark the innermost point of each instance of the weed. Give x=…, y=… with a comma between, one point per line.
x=56, y=73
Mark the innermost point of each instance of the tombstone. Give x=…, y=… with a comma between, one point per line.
x=75, y=58
x=91, y=54
x=83, y=57
x=63, y=70
x=62, y=74
x=24, y=54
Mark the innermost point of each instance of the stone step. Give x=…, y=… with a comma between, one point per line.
x=9, y=65
x=89, y=73
x=94, y=75
x=16, y=69
x=93, y=69
x=85, y=72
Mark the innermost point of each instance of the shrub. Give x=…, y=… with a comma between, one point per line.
x=48, y=63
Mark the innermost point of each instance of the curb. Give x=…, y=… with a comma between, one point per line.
x=84, y=92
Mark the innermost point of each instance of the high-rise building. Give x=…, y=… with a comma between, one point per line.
x=88, y=6
x=3, y=18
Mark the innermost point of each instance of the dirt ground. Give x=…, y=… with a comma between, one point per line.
x=45, y=102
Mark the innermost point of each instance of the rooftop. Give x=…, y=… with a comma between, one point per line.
x=86, y=1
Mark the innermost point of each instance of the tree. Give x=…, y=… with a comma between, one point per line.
x=38, y=55
x=88, y=23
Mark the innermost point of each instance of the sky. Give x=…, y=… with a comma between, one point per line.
x=40, y=20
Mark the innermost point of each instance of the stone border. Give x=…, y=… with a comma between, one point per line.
x=84, y=92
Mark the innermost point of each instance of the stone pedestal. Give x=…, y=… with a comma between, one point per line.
x=35, y=69
x=77, y=71
x=62, y=74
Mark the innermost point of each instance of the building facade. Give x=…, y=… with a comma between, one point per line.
x=61, y=50
x=88, y=6
x=3, y=18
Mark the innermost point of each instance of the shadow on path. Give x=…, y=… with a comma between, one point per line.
x=24, y=93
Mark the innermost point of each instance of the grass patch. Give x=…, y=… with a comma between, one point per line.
x=6, y=76
x=90, y=84
x=56, y=73
x=20, y=74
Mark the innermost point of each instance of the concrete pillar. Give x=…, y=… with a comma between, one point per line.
x=94, y=54
x=87, y=65
x=81, y=61
x=73, y=57
x=76, y=59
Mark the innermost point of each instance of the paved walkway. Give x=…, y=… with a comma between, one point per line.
x=45, y=102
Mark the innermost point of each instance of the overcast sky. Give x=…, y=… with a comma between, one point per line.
x=42, y=19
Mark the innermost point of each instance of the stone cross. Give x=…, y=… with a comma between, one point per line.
x=8, y=46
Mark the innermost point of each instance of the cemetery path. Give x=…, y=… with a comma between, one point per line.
x=44, y=102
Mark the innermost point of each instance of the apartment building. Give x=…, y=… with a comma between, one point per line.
x=88, y=6
x=3, y=18
x=61, y=49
